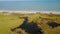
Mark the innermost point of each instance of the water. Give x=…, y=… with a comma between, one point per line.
x=30, y=5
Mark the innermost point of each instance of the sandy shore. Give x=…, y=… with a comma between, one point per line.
x=24, y=12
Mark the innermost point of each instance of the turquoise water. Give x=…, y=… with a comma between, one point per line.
x=30, y=5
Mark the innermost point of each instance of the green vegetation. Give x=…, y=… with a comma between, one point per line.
x=9, y=21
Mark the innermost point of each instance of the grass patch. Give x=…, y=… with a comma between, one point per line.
x=8, y=22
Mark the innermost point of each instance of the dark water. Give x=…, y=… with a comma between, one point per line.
x=30, y=28
x=53, y=24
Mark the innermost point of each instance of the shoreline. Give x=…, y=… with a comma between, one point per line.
x=24, y=12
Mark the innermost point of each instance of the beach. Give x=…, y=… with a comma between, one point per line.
x=27, y=12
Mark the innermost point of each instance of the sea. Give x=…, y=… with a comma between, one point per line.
x=30, y=5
